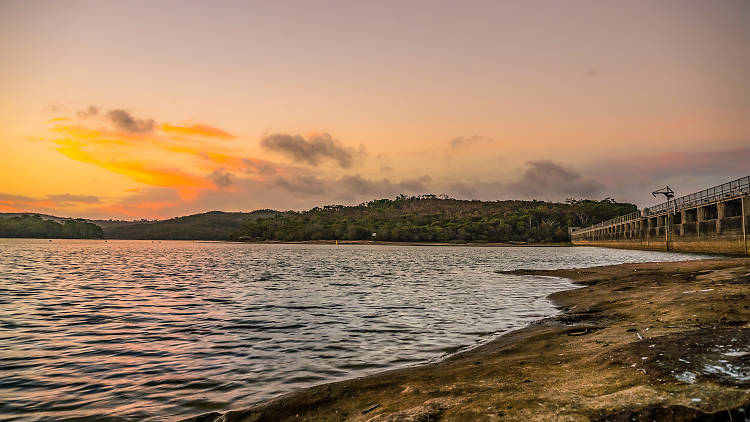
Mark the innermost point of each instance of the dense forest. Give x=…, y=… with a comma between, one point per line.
x=213, y=225
x=429, y=218
x=36, y=227
x=426, y=218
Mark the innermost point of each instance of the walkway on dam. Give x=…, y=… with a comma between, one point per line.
x=714, y=220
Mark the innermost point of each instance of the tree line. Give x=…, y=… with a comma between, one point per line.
x=34, y=226
x=212, y=225
x=429, y=218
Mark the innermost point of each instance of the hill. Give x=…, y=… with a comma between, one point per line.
x=426, y=218
x=34, y=226
x=213, y=225
x=429, y=218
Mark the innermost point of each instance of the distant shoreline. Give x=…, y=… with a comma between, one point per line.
x=378, y=242
x=627, y=345
x=317, y=242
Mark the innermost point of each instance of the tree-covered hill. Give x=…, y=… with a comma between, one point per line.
x=34, y=226
x=429, y=218
x=214, y=225
x=405, y=219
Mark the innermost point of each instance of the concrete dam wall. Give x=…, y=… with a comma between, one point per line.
x=714, y=220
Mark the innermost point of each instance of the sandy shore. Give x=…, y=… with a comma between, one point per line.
x=653, y=341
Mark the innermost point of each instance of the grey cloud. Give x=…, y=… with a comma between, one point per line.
x=540, y=180
x=461, y=141
x=633, y=178
x=311, y=150
x=360, y=188
x=15, y=198
x=125, y=121
x=221, y=178
x=78, y=199
x=352, y=187
x=462, y=190
x=543, y=180
x=416, y=185
x=304, y=185
x=547, y=178
x=261, y=167
x=89, y=111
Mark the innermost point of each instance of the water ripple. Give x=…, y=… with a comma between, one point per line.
x=139, y=330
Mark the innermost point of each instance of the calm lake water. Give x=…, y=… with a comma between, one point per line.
x=136, y=330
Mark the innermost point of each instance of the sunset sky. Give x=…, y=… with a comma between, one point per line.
x=155, y=109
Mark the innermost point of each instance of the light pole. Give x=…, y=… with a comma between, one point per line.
x=669, y=194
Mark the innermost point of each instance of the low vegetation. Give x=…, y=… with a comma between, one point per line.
x=429, y=218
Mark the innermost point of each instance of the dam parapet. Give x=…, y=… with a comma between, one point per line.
x=714, y=220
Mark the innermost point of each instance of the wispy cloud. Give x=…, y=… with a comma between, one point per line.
x=140, y=172
x=202, y=130
x=48, y=204
x=138, y=149
x=89, y=111
x=464, y=141
x=67, y=198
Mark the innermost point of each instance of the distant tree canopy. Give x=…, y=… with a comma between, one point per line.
x=35, y=227
x=429, y=218
x=213, y=225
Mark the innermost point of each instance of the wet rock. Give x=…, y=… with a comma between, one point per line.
x=676, y=414
x=716, y=354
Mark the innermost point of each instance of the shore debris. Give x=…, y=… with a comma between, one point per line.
x=371, y=408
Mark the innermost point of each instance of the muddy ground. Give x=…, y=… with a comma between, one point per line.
x=638, y=342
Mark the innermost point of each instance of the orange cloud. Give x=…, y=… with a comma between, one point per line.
x=80, y=135
x=58, y=119
x=8, y=208
x=19, y=203
x=137, y=171
x=196, y=130
x=148, y=209
x=174, y=157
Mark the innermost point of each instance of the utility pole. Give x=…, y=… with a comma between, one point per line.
x=669, y=194
x=744, y=229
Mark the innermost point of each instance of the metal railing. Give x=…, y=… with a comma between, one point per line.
x=621, y=219
x=727, y=190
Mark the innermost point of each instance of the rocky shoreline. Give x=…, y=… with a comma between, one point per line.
x=651, y=341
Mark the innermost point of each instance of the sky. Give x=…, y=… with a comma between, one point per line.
x=142, y=109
